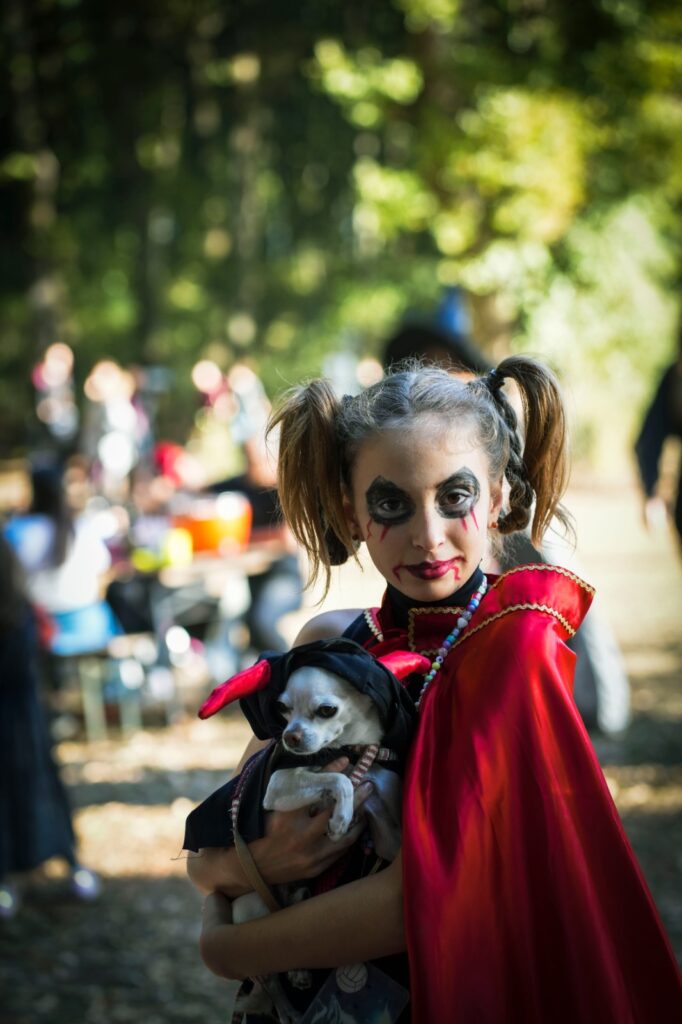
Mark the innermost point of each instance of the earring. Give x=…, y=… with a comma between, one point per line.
x=492, y=526
x=357, y=541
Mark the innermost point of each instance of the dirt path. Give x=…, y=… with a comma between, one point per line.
x=132, y=956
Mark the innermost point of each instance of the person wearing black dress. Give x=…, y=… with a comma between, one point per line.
x=663, y=419
x=35, y=816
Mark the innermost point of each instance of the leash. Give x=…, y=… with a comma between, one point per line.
x=368, y=756
x=244, y=854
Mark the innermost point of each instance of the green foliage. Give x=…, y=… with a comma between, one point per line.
x=185, y=178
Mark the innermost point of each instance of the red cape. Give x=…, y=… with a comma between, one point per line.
x=523, y=901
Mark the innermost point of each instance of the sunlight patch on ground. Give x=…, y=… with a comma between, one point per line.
x=123, y=840
x=217, y=743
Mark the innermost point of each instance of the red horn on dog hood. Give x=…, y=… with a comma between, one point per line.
x=242, y=685
x=403, y=663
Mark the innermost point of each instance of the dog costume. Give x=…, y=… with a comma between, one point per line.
x=259, y=688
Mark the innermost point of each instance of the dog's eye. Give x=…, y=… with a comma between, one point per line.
x=281, y=708
x=326, y=711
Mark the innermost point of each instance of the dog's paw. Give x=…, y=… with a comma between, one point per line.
x=339, y=823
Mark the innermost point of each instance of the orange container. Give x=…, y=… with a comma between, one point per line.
x=218, y=525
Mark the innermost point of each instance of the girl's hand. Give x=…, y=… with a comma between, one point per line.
x=297, y=845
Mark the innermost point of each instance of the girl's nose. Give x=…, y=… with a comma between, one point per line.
x=429, y=530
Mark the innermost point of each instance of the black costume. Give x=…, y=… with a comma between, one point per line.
x=35, y=817
x=663, y=419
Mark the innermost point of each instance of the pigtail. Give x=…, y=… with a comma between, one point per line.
x=310, y=474
x=538, y=465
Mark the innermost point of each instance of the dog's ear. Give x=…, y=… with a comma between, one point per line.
x=243, y=684
x=404, y=663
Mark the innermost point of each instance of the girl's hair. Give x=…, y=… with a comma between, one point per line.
x=320, y=436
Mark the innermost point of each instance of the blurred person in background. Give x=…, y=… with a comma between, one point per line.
x=116, y=428
x=662, y=420
x=601, y=687
x=65, y=562
x=35, y=817
x=443, y=340
x=278, y=589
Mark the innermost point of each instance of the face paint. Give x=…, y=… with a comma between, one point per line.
x=387, y=504
x=420, y=489
x=458, y=495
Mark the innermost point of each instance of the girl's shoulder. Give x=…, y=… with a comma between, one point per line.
x=327, y=624
x=541, y=588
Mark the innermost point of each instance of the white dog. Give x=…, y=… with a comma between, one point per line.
x=324, y=711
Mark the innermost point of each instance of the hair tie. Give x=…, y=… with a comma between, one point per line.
x=336, y=549
x=493, y=381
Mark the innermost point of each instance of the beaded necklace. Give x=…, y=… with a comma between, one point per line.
x=448, y=642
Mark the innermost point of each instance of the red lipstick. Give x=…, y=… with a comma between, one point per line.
x=433, y=570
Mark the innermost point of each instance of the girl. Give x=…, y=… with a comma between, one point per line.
x=517, y=896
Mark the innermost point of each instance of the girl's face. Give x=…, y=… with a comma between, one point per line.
x=422, y=503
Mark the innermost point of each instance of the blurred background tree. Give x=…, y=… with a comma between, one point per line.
x=192, y=178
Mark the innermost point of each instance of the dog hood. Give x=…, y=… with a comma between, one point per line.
x=259, y=688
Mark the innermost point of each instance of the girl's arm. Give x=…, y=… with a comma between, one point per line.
x=359, y=921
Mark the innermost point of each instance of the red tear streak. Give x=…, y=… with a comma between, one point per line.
x=465, y=524
x=384, y=532
x=473, y=516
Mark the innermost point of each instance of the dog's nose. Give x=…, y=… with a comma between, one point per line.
x=292, y=737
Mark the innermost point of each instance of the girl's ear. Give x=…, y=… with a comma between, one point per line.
x=496, y=499
x=351, y=518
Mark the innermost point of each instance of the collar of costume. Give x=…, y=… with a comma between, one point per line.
x=550, y=589
x=401, y=605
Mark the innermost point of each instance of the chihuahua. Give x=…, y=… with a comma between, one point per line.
x=324, y=711
x=327, y=698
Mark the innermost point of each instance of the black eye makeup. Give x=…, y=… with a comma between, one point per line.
x=387, y=504
x=457, y=495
